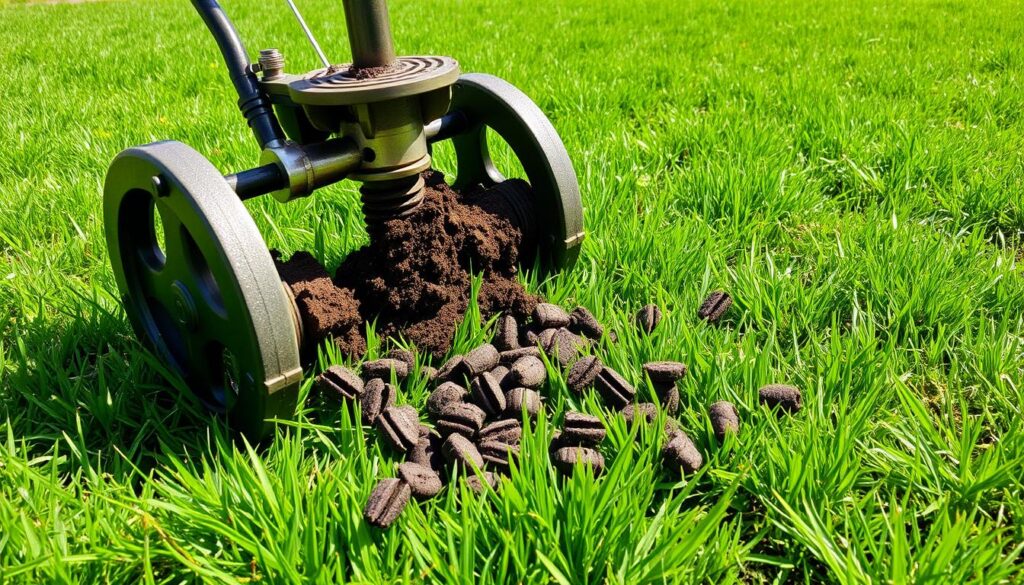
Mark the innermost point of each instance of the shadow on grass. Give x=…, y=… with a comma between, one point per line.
x=86, y=383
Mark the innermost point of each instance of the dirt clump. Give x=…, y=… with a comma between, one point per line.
x=414, y=277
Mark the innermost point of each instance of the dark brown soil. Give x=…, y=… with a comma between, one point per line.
x=369, y=72
x=414, y=276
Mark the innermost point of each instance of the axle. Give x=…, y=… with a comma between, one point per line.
x=268, y=178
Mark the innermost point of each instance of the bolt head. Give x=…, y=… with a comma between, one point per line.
x=160, y=186
x=184, y=307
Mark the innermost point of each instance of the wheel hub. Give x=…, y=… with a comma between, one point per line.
x=184, y=306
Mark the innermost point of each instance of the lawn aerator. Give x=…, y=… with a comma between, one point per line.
x=208, y=299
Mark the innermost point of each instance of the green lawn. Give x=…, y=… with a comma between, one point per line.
x=852, y=172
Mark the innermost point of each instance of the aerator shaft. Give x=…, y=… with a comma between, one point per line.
x=369, y=33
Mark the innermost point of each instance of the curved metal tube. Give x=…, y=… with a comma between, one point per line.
x=254, y=104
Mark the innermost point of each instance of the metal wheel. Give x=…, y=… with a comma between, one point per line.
x=207, y=298
x=486, y=102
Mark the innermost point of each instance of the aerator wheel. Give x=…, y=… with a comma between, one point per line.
x=487, y=102
x=207, y=299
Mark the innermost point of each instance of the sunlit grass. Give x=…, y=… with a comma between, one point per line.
x=850, y=172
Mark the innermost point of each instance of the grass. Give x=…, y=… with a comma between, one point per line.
x=851, y=172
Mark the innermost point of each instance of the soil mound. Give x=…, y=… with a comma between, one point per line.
x=414, y=277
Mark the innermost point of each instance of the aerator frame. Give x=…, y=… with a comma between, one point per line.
x=207, y=298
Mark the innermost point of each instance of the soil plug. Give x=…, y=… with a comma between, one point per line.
x=615, y=390
x=583, y=322
x=647, y=318
x=423, y=481
x=378, y=395
x=565, y=459
x=550, y=316
x=786, y=398
x=386, y=502
x=680, y=453
x=445, y=394
x=724, y=419
x=461, y=417
x=583, y=373
x=715, y=306
x=340, y=382
x=581, y=429
x=400, y=425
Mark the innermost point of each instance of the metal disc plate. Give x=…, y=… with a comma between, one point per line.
x=205, y=296
x=345, y=86
x=486, y=102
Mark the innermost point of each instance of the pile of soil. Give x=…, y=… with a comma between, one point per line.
x=414, y=277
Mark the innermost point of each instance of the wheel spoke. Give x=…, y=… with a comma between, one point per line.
x=205, y=369
x=473, y=160
x=214, y=324
x=175, y=249
x=157, y=286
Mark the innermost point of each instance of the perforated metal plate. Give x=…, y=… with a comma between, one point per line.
x=346, y=86
x=199, y=285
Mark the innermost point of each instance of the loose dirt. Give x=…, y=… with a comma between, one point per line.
x=414, y=277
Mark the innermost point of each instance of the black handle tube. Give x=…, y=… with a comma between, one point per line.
x=251, y=101
x=256, y=182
